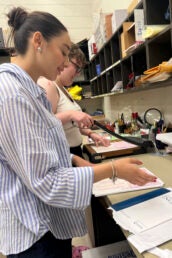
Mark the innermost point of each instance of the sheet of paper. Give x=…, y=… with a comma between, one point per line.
x=146, y=214
x=114, y=146
x=162, y=253
x=107, y=187
x=152, y=237
x=165, y=138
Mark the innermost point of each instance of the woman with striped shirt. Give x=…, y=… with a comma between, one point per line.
x=42, y=196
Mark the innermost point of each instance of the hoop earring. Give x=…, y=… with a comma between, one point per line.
x=39, y=49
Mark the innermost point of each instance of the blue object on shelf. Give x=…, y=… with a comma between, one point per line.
x=98, y=69
x=167, y=14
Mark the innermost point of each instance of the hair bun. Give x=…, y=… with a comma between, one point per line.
x=16, y=17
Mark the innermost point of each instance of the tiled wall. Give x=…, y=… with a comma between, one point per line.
x=159, y=98
x=91, y=105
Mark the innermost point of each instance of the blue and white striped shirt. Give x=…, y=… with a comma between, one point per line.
x=39, y=188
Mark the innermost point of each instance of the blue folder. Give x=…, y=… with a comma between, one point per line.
x=138, y=199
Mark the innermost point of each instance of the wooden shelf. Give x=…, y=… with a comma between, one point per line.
x=150, y=53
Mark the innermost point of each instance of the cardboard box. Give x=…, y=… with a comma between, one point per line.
x=127, y=37
x=108, y=26
x=139, y=24
x=126, y=26
x=122, y=39
x=132, y=5
x=118, y=17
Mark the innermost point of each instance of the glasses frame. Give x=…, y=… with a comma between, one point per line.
x=77, y=67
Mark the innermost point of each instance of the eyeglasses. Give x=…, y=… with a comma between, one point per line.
x=77, y=67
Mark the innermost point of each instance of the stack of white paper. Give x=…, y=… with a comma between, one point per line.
x=153, y=237
x=107, y=187
x=148, y=217
x=165, y=138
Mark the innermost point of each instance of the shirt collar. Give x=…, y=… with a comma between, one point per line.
x=29, y=84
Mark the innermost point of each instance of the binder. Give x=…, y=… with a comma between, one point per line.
x=146, y=211
x=139, y=199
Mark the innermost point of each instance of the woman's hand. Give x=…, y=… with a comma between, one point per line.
x=82, y=119
x=128, y=169
x=99, y=140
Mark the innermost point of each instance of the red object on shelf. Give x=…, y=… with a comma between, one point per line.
x=94, y=48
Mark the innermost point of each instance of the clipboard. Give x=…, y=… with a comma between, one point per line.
x=139, y=199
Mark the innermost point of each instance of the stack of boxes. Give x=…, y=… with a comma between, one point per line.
x=127, y=37
x=118, y=17
x=139, y=24
x=104, y=29
x=132, y=32
x=109, y=23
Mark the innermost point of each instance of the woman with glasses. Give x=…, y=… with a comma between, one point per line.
x=75, y=122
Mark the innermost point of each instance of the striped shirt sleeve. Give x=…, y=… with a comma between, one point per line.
x=31, y=150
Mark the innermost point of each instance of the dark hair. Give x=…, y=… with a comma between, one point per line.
x=76, y=52
x=23, y=24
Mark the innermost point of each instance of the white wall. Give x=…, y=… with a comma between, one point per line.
x=109, y=5
x=91, y=105
x=76, y=15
